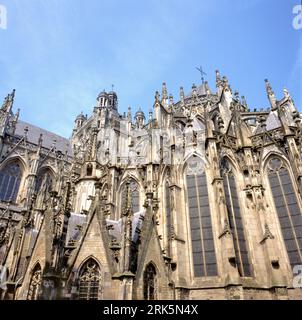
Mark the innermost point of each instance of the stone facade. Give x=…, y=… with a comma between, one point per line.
x=202, y=200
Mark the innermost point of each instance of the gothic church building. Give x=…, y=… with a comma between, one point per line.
x=199, y=199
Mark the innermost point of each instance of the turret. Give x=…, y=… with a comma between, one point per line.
x=79, y=121
x=140, y=118
x=102, y=99
x=112, y=100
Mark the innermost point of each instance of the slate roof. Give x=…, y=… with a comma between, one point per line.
x=201, y=91
x=272, y=122
x=115, y=231
x=73, y=231
x=62, y=144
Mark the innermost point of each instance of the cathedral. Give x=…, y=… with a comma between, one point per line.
x=200, y=199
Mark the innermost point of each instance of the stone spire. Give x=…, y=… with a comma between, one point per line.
x=8, y=102
x=164, y=93
x=182, y=96
x=271, y=95
x=129, y=114
x=218, y=79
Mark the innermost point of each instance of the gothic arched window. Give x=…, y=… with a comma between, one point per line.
x=35, y=283
x=204, y=258
x=235, y=219
x=44, y=180
x=10, y=179
x=89, y=281
x=150, y=290
x=134, y=193
x=287, y=208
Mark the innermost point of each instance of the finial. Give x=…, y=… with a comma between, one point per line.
x=271, y=94
x=40, y=141
x=194, y=92
x=218, y=78
x=164, y=91
x=171, y=100
x=244, y=103
x=268, y=87
x=157, y=96
x=17, y=114
x=218, y=75
x=262, y=122
x=206, y=85
x=13, y=94
x=182, y=95
x=286, y=93
x=129, y=115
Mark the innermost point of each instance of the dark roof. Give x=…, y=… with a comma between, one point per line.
x=272, y=123
x=62, y=144
x=201, y=91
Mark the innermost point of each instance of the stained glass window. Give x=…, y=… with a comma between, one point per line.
x=287, y=208
x=35, y=283
x=89, y=281
x=44, y=180
x=203, y=249
x=134, y=192
x=10, y=179
x=150, y=290
x=235, y=219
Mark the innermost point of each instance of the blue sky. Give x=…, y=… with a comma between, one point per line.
x=59, y=54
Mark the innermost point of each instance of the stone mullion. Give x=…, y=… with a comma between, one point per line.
x=225, y=235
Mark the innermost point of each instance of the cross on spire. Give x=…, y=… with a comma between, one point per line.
x=202, y=73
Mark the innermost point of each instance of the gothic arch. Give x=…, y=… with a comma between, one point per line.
x=89, y=279
x=232, y=160
x=35, y=282
x=287, y=204
x=41, y=179
x=15, y=158
x=199, y=219
x=136, y=194
x=273, y=154
x=12, y=175
x=150, y=281
x=235, y=217
x=195, y=154
x=130, y=175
